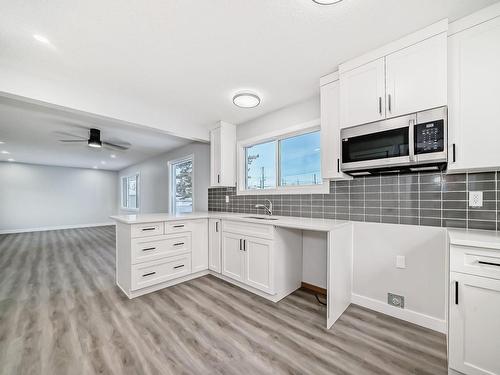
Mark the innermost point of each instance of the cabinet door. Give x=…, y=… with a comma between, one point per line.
x=214, y=243
x=416, y=77
x=259, y=264
x=199, y=245
x=362, y=94
x=474, y=110
x=215, y=156
x=330, y=132
x=474, y=334
x=233, y=256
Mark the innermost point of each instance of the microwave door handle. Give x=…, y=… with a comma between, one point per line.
x=411, y=140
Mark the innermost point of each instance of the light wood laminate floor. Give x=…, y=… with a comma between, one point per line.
x=61, y=313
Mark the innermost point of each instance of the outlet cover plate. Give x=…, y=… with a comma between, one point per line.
x=475, y=198
x=396, y=300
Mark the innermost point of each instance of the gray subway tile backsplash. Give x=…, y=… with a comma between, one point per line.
x=431, y=199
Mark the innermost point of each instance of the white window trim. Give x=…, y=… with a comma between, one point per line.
x=137, y=189
x=295, y=130
x=171, y=196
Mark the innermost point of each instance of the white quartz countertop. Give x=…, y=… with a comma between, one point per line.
x=322, y=225
x=476, y=238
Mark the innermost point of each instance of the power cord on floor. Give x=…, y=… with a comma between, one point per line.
x=319, y=301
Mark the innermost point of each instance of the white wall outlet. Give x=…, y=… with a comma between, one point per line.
x=400, y=261
x=475, y=198
x=227, y=198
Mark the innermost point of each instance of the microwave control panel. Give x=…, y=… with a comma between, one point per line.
x=429, y=137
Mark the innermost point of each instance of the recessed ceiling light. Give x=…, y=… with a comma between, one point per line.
x=41, y=39
x=112, y=156
x=327, y=2
x=2, y=142
x=95, y=167
x=5, y=152
x=10, y=159
x=103, y=162
x=246, y=100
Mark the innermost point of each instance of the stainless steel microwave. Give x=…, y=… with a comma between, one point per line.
x=407, y=143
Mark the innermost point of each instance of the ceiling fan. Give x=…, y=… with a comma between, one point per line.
x=95, y=141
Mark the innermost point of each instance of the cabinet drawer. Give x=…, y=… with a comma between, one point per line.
x=159, y=271
x=146, y=230
x=151, y=248
x=248, y=229
x=475, y=261
x=177, y=226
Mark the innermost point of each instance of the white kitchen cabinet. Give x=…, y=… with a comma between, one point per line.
x=474, y=333
x=362, y=94
x=214, y=244
x=416, y=77
x=474, y=110
x=199, y=244
x=331, y=145
x=223, y=155
x=259, y=263
x=233, y=257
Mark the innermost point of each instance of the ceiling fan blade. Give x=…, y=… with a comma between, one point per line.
x=70, y=135
x=122, y=147
x=72, y=140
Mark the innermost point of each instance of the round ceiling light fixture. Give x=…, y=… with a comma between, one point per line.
x=327, y=2
x=246, y=99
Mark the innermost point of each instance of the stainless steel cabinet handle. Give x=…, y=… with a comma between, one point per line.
x=389, y=102
x=182, y=265
x=178, y=243
x=149, y=228
x=149, y=248
x=456, y=292
x=179, y=226
x=380, y=105
x=489, y=263
x=149, y=274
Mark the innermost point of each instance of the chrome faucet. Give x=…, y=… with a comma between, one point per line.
x=269, y=210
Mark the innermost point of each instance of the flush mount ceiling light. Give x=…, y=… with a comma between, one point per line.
x=326, y=2
x=41, y=39
x=246, y=100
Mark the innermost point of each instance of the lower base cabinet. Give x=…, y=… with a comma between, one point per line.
x=270, y=263
x=214, y=245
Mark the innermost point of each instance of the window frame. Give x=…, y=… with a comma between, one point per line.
x=293, y=131
x=137, y=175
x=171, y=187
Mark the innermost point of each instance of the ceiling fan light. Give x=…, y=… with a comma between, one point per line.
x=95, y=138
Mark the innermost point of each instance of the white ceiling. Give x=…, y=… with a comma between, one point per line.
x=30, y=133
x=174, y=64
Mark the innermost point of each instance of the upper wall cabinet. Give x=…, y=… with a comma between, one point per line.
x=406, y=76
x=223, y=155
x=474, y=81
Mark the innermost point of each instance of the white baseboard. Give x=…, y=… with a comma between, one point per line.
x=59, y=227
x=408, y=315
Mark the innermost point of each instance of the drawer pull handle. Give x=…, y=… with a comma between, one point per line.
x=149, y=248
x=489, y=263
x=179, y=244
x=146, y=229
x=148, y=274
x=456, y=292
x=182, y=265
x=179, y=226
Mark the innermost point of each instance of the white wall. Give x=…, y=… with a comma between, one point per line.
x=38, y=196
x=281, y=119
x=154, y=179
x=423, y=281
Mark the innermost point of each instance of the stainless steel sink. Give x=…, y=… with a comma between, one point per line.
x=260, y=217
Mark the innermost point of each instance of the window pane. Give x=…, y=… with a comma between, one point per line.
x=300, y=160
x=132, y=192
x=183, y=173
x=124, y=192
x=261, y=166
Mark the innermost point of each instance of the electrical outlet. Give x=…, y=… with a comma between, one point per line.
x=396, y=300
x=227, y=198
x=475, y=198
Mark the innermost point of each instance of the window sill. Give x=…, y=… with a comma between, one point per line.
x=324, y=188
x=129, y=209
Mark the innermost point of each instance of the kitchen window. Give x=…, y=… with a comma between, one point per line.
x=285, y=163
x=181, y=185
x=130, y=192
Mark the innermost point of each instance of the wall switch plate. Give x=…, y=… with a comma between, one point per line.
x=227, y=198
x=400, y=261
x=475, y=198
x=396, y=300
